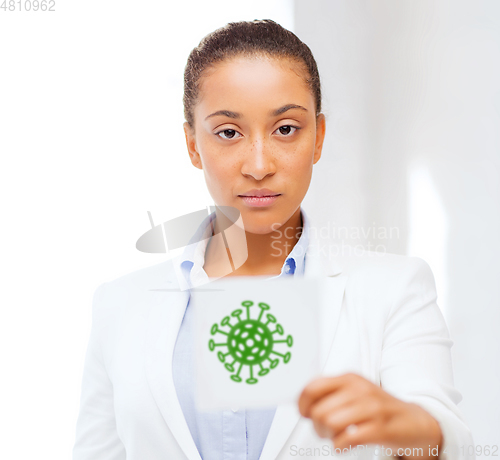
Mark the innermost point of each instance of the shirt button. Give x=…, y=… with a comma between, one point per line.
x=234, y=409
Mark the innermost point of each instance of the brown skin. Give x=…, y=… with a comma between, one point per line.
x=261, y=150
x=334, y=403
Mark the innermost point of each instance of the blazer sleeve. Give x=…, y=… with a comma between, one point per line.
x=416, y=363
x=96, y=434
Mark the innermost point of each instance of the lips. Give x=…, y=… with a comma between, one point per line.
x=259, y=201
x=260, y=193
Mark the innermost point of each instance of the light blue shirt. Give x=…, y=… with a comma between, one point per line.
x=230, y=434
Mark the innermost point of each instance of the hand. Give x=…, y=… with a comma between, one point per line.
x=353, y=411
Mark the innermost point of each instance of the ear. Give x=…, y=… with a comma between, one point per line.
x=194, y=156
x=320, y=136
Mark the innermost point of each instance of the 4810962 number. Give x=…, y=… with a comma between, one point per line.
x=480, y=451
x=28, y=5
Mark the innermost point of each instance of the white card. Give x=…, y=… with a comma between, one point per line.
x=257, y=340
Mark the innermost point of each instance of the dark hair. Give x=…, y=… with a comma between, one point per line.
x=246, y=38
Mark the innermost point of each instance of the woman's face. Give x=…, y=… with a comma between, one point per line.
x=255, y=128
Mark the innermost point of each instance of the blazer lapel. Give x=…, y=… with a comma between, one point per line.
x=165, y=319
x=317, y=264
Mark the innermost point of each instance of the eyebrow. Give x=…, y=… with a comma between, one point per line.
x=274, y=113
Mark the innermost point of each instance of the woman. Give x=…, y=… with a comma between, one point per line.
x=254, y=125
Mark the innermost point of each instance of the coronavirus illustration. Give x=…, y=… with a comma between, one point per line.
x=250, y=342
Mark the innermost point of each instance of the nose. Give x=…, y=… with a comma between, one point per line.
x=259, y=160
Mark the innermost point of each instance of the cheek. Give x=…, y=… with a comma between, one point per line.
x=214, y=170
x=298, y=160
x=219, y=171
x=218, y=164
x=212, y=157
x=298, y=170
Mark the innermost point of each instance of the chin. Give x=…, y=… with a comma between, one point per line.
x=261, y=225
x=259, y=230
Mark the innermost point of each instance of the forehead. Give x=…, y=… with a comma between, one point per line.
x=253, y=83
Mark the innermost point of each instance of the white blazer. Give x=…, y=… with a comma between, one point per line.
x=381, y=322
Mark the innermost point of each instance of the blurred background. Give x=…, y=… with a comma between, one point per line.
x=91, y=139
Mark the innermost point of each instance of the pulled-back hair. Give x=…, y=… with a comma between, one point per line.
x=247, y=38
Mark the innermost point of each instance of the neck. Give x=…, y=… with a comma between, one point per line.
x=266, y=252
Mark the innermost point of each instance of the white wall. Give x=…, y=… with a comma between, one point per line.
x=412, y=94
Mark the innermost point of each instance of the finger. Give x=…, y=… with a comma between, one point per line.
x=319, y=388
x=332, y=403
x=349, y=416
x=322, y=430
x=366, y=433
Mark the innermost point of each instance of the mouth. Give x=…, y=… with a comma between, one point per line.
x=262, y=192
x=259, y=201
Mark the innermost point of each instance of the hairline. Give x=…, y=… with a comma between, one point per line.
x=255, y=55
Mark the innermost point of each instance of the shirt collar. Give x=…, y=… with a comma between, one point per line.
x=192, y=259
x=296, y=259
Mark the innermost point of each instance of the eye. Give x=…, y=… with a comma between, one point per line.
x=228, y=134
x=287, y=130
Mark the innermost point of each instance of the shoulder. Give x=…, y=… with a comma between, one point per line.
x=119, y=295
x=380, y=265
x=385, y=279
x=153, y=276
x=361, y=264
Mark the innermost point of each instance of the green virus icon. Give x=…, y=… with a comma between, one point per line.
x=250, y=342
